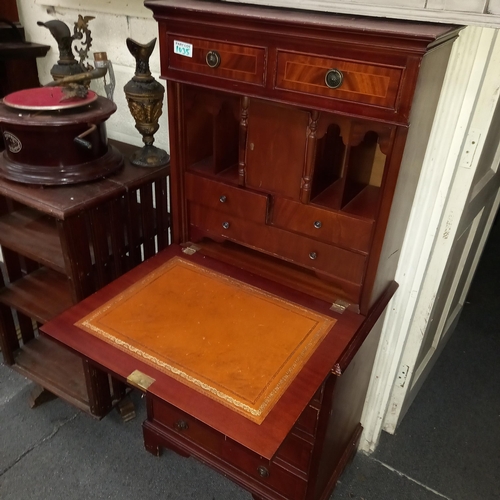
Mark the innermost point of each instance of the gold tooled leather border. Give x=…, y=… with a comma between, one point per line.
x=254, y=413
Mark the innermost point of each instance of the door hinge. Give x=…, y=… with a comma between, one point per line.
x=402, y=375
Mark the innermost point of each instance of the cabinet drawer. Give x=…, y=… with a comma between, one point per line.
x=323, y=225
x=230, y=61
x=321, y=257
x=295, y=452
x=362, y=82
x=308, y=420
x=311, y=254
x=227, y=199
x=262, y=471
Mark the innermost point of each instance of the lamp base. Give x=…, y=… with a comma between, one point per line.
x=150, y=156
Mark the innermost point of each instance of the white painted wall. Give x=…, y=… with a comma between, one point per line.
x=109, y=32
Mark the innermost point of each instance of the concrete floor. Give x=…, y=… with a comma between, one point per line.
x=447, y=447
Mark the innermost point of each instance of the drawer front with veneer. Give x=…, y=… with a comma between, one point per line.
x=330, y=227
x=184, y=425
x=259, y=469
x=228, y=199
x=336, y=262
x=320, y=256
x=337, y=78
x=230, y=61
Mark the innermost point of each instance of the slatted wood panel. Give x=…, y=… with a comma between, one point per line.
x=59, y=246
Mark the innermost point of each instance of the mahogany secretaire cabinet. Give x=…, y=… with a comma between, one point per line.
x=296, y=141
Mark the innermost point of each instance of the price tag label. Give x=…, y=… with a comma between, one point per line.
x=183, y=49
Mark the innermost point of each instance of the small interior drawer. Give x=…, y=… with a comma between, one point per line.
x=334, y=261
x=357, y=81
x=323, y=225
x=321, y=257
x=215, y=58
x=226, y=199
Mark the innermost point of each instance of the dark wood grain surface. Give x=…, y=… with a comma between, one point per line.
x=65, y=201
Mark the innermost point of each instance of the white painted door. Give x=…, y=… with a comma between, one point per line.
x=469, y=211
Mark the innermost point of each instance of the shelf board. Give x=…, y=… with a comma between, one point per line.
x=41, y=295
x=33, y=235
x=55, y=368
x=365, y=203
x=331, y=196
x=205, y=167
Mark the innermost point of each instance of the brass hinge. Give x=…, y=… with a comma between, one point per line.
x=339, y=306
x=140, y=380
x=191, y=249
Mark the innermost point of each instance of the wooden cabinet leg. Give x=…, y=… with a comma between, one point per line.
x=98, y=389
x=39, y=395
x=153, y=448
x=119, y=389
x=150, y=441
x=126, y=409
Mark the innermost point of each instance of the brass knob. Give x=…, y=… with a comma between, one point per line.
x=181, y=425
x=213, y=58
x=317, y=224
x=262, y=471
x=313, y=255
x=334, y=78
x=225, y=225
x=223, y=198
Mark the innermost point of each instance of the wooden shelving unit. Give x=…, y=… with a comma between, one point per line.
x=61, y=244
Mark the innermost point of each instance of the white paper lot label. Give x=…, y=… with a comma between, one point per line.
x=183, y=49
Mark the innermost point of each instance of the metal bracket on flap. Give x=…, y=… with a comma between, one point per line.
x=140, y=380
x=191, y=249
x=339, y=306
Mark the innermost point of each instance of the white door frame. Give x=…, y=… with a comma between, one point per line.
x=461, y=99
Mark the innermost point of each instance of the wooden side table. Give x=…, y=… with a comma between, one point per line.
x=61, y=244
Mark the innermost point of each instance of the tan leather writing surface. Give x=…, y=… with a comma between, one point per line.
x=233, y=342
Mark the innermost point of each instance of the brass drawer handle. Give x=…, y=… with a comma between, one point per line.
x=181, y=425
x=334, y=78
x=262, y=471
x=225, y=225
x=213, y=58
x=313, y=255
x=318, y=224
x=223, y=198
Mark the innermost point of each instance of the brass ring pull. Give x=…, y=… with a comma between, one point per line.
x=263, y=471
x=213, y=58
x=334, y=78
x=181, y=425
